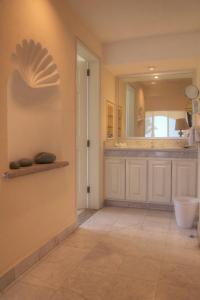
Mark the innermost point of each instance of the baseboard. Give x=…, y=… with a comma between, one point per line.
x=145, y=205
x=29, y=261
x=85, y=215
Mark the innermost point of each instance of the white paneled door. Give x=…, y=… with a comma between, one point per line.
x=82, y=133
x=184, y=177
x=159, y=181
x=136, y=180
x=114, y=179
x=88, y=141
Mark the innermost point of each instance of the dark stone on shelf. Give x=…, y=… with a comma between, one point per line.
x=45, y=158
x=25, y=162
x=14, y=165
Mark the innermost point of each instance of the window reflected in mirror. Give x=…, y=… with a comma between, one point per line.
x=162, y=123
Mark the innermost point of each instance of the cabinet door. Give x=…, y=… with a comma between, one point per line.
x=114, y=179
x=184, y=177
x=159, y=181
x=136, y=178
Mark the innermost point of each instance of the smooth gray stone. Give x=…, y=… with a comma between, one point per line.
x=25, y=162
x=14, y=165
x=45, y=158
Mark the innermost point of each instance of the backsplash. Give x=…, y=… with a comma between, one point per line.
x=149, y=143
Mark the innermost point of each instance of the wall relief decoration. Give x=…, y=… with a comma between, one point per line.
x=35, y=65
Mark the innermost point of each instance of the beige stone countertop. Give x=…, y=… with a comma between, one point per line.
x=151, y=149
x=151, y=152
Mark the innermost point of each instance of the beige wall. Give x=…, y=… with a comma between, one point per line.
x=35, y=208
x=169, y=52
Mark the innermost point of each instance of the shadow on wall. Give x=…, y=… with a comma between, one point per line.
x=24, y=95
x=35, y=119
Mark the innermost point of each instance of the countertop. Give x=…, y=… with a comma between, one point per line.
x=152, y=152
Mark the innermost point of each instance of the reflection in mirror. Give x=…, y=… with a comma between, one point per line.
x=110, y=119
x=149, y=108
x=119, y=120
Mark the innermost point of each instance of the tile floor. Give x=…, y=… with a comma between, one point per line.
x=118, y=254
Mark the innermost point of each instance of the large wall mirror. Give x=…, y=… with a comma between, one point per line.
x=150, y=105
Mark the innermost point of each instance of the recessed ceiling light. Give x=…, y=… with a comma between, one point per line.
x=153, y=82
x=151, y=68
x=156, y=77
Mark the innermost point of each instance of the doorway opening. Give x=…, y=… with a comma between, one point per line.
x=87, y=130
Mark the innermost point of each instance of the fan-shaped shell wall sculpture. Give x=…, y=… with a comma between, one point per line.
x=35, y=65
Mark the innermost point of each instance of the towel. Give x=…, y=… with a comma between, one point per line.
x=196, y=120
x=197, y=134
x=191, y=137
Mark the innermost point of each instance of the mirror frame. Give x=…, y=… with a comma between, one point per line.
x=175, y=74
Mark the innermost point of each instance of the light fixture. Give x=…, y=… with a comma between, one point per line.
x=181, y=124
x=153, y=82
x=151, y=68
x=156, y=77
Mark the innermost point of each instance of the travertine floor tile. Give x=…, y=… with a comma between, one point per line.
x=152, y=224
x=92, y=285
x=23, y=291
x=160, y=214
x=118, y=254
x=98, y=227
x=132, y=289
x=62, y=253
x=129, y=220
x=194, y=292
x=185, y=256
x=85, y=238
x=102, y=259
x=177, y=240
x=166, y=291
x=120, y=246
x=48, y=274
x=143, y=268
x=63, y=294
x=180, y=274
x=174, y=229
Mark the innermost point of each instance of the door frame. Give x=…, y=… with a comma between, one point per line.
x=94, y=110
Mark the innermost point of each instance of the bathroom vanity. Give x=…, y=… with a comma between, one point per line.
x=149, y=177
x=147, y=164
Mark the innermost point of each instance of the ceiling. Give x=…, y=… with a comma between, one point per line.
x=115, y=20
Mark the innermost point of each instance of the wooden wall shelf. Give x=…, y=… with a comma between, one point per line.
x=34, y=169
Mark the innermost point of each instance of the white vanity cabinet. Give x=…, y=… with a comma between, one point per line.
x=150, y=179
x=159, y=181
x=115, y=178
x=136, y=179
x=184, y=177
